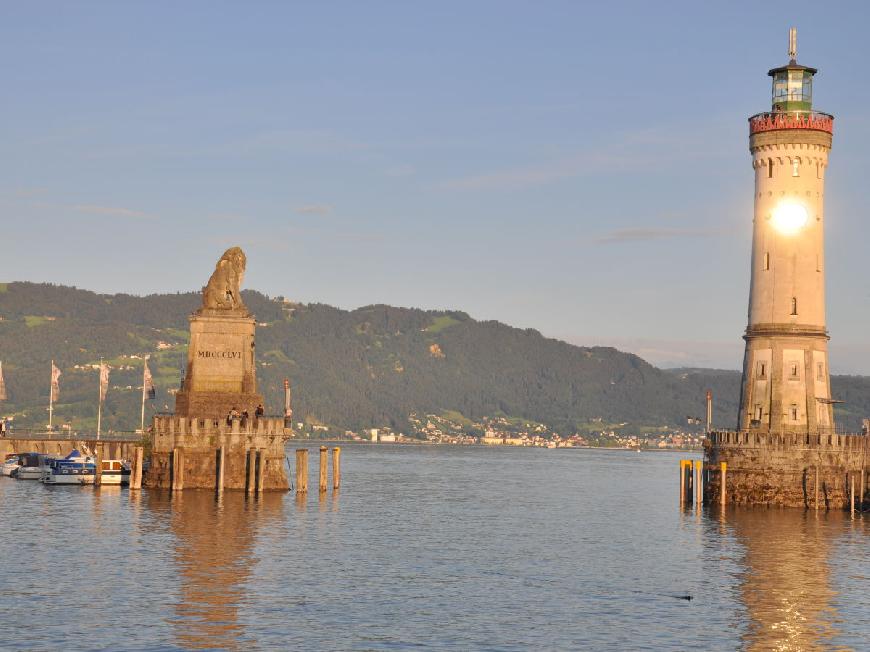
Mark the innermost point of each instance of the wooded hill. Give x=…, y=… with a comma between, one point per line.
x=369, y=367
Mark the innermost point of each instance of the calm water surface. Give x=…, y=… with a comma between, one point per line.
x=443, y=548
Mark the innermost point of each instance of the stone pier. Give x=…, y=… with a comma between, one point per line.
x=218, y=437
x=200, y=440
x=781, y=469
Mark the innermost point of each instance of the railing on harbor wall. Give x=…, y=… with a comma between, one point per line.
x=262, y=425
x=824, y=439
x=776, y=120
x=68, y=435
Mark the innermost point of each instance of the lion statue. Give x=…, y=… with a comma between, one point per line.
x=222, y=291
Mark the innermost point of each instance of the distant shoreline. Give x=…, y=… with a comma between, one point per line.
x=428, y=443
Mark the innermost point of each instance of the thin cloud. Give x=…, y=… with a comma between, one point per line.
x=315, y=209
x=109, y=211
x=628, y=152
x=648, y=234
x=517, y=178
x=400, y=171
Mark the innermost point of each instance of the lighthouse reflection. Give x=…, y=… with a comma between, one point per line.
x=786, y=583
x=214, y=541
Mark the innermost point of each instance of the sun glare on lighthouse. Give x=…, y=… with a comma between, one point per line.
x=789, y=217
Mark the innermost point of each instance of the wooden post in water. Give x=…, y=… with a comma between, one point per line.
x=98, y=467
x=682, y=483
x=852, y=484
x=685, y=482
x=177, y=469
x=220, y=466
x=861, y=490
x=817, y=487
x=699, y=483
x=723, y=487
x=261, y=470
x=323, y=460
x=301, y=470
x=136, y=475
x=251, y=483
x=336, y=467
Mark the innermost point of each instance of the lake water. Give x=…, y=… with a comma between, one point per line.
x=443, y=548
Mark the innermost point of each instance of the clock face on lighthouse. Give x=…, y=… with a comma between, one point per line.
x=789, y=217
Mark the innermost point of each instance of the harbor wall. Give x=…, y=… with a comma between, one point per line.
x=185, y=453
x=785, y=469
x=107, y=450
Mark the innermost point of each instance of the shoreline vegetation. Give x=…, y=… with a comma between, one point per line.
x=353, y=370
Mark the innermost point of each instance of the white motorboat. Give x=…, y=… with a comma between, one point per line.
x=31, y=466
x=75, y=468
x=10, y=464
x=115, y=472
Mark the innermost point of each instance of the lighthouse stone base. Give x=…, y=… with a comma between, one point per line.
x=782, y=469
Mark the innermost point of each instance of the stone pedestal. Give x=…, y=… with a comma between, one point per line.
x=201, y=446
x=200, y=440
x=221, y=372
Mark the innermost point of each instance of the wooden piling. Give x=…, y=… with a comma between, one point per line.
x=220, y=466
x=177, y=469
x=682, y=483
x=862, y=488
x=336, y=467
x=723, y=486
x=699, y=483
x=817, y=488
x=301, y=470
x=852, y=492
x=251, y=484
x=136, y=473
x=261, y=470
x=323, y=460
x=98, y=468
x=685, y=482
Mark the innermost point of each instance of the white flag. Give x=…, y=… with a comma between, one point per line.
x=148, y=388
x=104, y=380
x=55, y=382
x=2, y=384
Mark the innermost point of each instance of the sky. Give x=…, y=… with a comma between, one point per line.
x=578, y=168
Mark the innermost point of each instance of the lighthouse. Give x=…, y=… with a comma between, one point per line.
x=786, y=385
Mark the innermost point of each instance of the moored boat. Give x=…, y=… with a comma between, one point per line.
x=10, y=464
x=31, y=466
x=75, y=468
x=114, y=472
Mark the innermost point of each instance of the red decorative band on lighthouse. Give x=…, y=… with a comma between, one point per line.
x=773, y=121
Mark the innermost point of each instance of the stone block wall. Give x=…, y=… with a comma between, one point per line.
x=198, y=442
x=781, y=469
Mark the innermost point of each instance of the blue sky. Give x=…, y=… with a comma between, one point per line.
x=580, y=169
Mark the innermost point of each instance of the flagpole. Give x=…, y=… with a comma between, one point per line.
x=51, y=396
x=142, y=420
x=100, y=398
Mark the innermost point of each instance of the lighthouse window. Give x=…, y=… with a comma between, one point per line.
x=758, y=413
x=794, y=305
x=766, y=260
x=770, y=168
x=762, y=370
x=793, y=371
x=820, y=371
x=795, y=167
x=793, y=412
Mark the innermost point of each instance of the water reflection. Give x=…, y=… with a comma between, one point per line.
x=786, y=582
x=214, y=543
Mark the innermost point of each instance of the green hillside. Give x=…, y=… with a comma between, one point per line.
x=350, y=369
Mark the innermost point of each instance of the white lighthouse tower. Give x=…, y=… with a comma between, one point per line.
x=786, y=385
